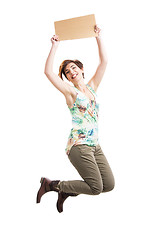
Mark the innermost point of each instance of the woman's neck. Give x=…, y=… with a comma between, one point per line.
x=80, y=85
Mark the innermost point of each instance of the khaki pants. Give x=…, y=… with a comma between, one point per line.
x=93, y=167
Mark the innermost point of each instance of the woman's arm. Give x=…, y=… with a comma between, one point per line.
x=62, y=86
x=96, y=79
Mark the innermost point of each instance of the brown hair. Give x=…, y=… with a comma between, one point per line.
x=65, y=63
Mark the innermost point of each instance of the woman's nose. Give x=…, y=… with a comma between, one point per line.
x=71, y=70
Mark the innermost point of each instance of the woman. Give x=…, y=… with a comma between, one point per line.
x=82, y=148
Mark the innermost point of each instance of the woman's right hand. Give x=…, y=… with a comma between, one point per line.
x=55, y=40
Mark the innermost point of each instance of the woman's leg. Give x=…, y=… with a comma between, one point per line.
x=83, y=159
x=105, y=170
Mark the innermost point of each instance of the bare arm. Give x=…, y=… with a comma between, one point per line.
x=62, y=86
x=96, y=79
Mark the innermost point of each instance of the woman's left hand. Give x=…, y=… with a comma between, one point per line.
x=97, y=30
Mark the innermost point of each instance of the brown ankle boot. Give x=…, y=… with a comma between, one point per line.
x=62, y=196
x=47, y=186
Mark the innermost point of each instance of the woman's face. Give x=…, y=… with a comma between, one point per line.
x=73, y=72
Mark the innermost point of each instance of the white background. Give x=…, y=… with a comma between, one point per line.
x=35, y=122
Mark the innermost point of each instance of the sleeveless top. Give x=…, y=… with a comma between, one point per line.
x=84, y=120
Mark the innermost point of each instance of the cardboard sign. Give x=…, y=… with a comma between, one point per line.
x=76, y=28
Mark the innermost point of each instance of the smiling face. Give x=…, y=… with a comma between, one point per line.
x=73, y=72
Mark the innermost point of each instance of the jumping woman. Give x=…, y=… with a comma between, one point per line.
x=83, y=149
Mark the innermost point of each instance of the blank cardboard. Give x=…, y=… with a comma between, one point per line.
x=76, y=28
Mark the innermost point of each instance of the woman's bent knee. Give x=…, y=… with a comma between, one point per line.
x=109, y=187
x=97, y=190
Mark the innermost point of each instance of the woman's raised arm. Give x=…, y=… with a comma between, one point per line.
x=96, y=79
x=62, y=86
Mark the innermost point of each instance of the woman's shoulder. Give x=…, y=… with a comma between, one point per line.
x=91, y=88
x=71, y=96
x=70, y=90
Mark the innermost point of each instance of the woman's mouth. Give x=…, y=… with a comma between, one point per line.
x=74, y=76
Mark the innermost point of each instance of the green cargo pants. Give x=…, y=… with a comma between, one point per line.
x=94, y=169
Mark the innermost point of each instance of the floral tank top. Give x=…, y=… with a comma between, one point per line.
x=84, y=121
